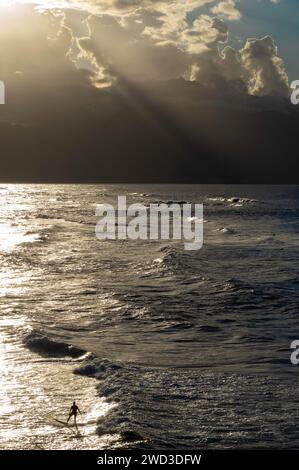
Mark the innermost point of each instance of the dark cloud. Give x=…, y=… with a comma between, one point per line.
x=125, y=54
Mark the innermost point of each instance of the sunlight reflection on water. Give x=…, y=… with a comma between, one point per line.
x=35, y=390
x=11, y=236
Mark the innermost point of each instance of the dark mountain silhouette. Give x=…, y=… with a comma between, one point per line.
x=175, y=131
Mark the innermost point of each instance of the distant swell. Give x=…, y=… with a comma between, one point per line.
x=240, y=201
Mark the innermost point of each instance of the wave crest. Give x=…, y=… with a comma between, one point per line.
x=40, y=343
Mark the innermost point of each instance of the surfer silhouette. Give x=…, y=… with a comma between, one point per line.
x=73, y=412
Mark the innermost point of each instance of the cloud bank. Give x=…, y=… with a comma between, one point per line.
x=141, y=40
x=167, y=39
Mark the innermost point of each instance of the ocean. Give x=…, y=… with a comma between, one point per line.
x=160, y=347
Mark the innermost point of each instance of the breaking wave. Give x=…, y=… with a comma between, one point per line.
x=40, y=343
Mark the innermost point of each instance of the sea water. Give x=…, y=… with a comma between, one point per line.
x=160, y=347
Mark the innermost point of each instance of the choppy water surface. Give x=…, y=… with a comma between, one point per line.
x=161, y=348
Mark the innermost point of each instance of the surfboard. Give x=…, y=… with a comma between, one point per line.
x=61, y=422
x=64, y=423
x=73, y=429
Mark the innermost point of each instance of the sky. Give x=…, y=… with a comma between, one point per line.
x=252, y=44
x=202, y=40
x=132, y=89
x=280, y=20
